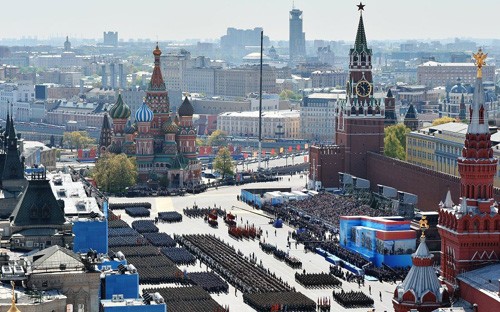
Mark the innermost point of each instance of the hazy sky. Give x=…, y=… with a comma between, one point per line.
x=201, y=19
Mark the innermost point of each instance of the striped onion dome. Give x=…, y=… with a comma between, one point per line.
x=120, y=110
x=170, y=126
x=144, y=113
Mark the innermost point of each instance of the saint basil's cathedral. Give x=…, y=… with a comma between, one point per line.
x=163, y=143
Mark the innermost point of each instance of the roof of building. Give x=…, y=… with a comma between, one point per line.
x=38, y=206
x=268, y=114
x=24, y=298
x=51, y=259
x=12, y=167
x=170, y=126
x=157, y=83
x=360, y=43
x=76, y=201
x=186, y=109
x=255, y=56
x=485, y=280
x=326, y=96
x=411, y=113
x=422, y=277
x=433, y=63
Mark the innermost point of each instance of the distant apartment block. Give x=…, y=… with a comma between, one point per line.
x=434, y=74
x=328, y=78
x=239, y=38
x=317, y=117
x=275, y=124
x=244, y=80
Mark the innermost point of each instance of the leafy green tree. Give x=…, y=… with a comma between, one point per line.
x=114, y=173
x=223, y=162
x=443, y=120
x=395, y=141
x=201, y=142
x=290, y=95
x=217, y=138
x=77, y=139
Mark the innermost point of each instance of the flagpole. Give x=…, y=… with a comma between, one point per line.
x=260, y=99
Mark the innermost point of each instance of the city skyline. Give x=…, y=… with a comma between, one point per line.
x=207, y=20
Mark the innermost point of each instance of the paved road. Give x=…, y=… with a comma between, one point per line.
x=226, y=198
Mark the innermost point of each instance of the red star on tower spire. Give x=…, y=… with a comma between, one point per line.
x=361, y=7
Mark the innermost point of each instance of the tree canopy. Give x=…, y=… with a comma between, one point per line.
x=290, y=95
x=443, y=120
x=77, y=139
x=217, y=138
x=114, y=173
x=223, y=162
x=395, y=141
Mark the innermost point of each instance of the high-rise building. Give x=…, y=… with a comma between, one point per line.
x=110, y=38
x=297, y=40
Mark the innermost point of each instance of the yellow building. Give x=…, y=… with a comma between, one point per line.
x=438, y=147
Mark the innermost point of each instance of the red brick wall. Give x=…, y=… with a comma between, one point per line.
x=430, y=186
x=484, y=302
x=329, y=161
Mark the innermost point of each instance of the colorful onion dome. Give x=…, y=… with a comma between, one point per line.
x=120, y=110
x=144, y=113
x=170, y=126
x=186, y=109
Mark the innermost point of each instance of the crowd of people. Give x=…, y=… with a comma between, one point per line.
x=317, y=280
x=352, y=299
x=279, y=301
x=330, y=207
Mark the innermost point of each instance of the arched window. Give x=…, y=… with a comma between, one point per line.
x=476, y=225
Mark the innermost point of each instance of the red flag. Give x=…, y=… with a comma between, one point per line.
x=298, y=147
x=290, y=149
x=272, y=152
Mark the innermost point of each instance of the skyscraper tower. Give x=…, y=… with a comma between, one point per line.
x=297, y=40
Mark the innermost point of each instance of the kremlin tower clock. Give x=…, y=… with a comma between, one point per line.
x=360, y=118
